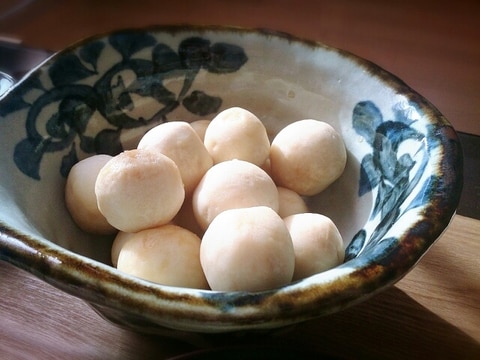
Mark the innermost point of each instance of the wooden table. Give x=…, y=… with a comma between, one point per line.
x=433, y=312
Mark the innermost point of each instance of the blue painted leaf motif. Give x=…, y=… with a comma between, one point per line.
x=71, y=119
x=114, y=98
x=17, y=98
x=17, y=103
x=76, y=113
x=219, y=58
x=27, y=156
x=382, y=228
x=55, y=127
x=121, y=95
x=87, y=143
x=202, y=104
x=397, y=132
x=369, y=175
x=68, y=161
x=125, y=102
x=225, y=58
x=108, y=142
x=165, y=60
x=384, y=156
x=391, y=174
x=151, y=86
x=31, y=82
x=356, y=245
x=394, y=172
x=91, y=52
x=68, y=69
x=420, y=197
x=366, y=118
x=127, y=43
x=166, y=64
x=405, y=113
x=382, y=248
x=383, y=192
x=194, y=53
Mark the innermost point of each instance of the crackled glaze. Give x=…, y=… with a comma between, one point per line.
x=399, y=190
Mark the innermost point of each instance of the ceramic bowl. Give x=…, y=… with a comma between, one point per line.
x=397, y=195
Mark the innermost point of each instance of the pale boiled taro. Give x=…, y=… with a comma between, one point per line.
x=317, y=243
x=168, y=255
x=186, y=218
x=247, y=249
x=121, y=238
x=307, y=156
x=200, y=127
x=80, y=197
x=229, y=185
x=290, y=202
x=236, y=133
x=139, y=189
x=180, y=142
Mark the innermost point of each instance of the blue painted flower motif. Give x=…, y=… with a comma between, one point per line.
x=391, y=173
x=76, y=101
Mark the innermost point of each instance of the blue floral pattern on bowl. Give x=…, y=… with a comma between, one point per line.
x=394, y=177
x=77, y=102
